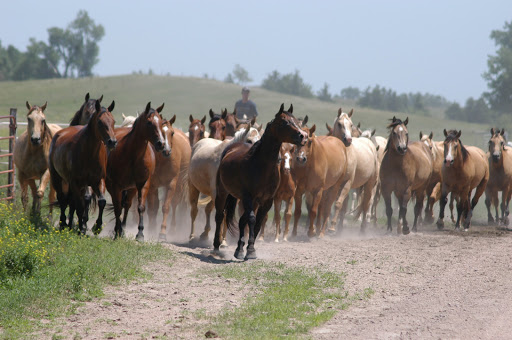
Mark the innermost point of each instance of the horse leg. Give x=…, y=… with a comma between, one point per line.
x=341, y=204
x=193, y=196
x=126, y=203
x=287, y=218
x=254, y=227
x=479, y=191
x=153, y=203
x=451, y=207
x=35, y=199
x=507, y=201
x=313, y=211
x=99, y=190
x=496, y=203
x=367, y=195
x=166, y=207
x=24, y=190
x=277, y=218
x=208, y=211
x=328, y=198
x=386, y=194
x=42, y=187
x=488, y=197
x=442, y=205
x=117, y=195
x=87, y=198
x=51, y=200
x=297, y=213
x=142, y=192
x=420, y=196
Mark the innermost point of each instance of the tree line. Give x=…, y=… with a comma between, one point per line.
x=69, y=52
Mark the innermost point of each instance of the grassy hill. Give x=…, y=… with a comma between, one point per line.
x=185, y=95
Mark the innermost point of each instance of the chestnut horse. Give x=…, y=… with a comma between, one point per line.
x=131, y=164
x=500, y=177
x=85, y=111
x=170, y=171
x=320, y=168
x=78, y=159
x=464, y=168
x=196, y=130
x=31, y=157
x=217, y=124
x=406, y=169
x=250, y=173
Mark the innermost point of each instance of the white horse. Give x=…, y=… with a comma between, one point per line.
x=128, y=120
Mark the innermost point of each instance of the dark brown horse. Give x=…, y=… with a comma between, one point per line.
x=217, y=124
x=170, y=172
x=78, y=159
x=132, y=163
x=251, y=173
x=405, y=170
x=196, y=130
x=85, y=111
x=464, y=168
x=231, y=123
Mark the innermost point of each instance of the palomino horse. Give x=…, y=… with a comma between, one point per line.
x=31, y=157
x=78, y=159
x=320, y=171
x=196, y=130
x=362, y=168
x=500, y=176
x=128, y=120
x=405, y=170
x=170, y=173
x=134, y=154
x=464, y=168
x=217, y=125
x=433, y=190
x=202, y=173
x=85, y=111
x=250, y=173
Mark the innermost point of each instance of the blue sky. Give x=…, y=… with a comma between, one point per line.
x=440, y=47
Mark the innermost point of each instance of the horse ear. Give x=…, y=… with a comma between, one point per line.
x=459, y=133
x=291, y=108
x=394, y=119
x=160, y=108
x=97, y=106
x=44, y=106
x=431, y=135
x=351, y=113
x=87, y=97
x=172, y=120
x=329, y=129
x=122, y=114
x=373, y=132
x=191, y=118
x=492, y=132
x=445, y=133
x=312, y=130
x=305, y=120
x=378, y=147
x=203, y=120
x=148, y=107
x=100, y=99
x=28, y=105
x=359, y=125
x=224, y=114
x=406, y=121
x=253, y=121
x=281, y=109
x=111, y=107
x=421, y=135
x=211, y=113
x=339, y=112
x=502, y=132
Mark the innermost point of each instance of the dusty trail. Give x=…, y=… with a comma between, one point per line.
x=429, y=285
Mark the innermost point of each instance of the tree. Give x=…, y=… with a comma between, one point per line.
x=323, y=94
x=241, y=75
x=229, y=79
x=454, y=112
x=499, y=75
x=290, y=83
x=350, y=93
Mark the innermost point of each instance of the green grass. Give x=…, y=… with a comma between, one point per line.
x=46, y=273
x=291, y=301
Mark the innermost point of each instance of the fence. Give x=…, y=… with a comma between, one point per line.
x=10, y=162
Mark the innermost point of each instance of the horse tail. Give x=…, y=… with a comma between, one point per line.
x=183, y=183
x=230, y=208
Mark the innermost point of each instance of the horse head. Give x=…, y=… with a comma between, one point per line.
x=217, y=125
x=399, y=136
x=84, y=114
x=302, y=152
x=168, y=131
x=102, y=122
x=196, y=130
x=286, y=157
x=151, y=125
x=36, y=123
x=356, y=130
x=343, y=127
x=453, y=147
x=231, y=124
x=497, y=144
x=285, y=127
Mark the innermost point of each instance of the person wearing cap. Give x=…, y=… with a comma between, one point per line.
x=245, y=108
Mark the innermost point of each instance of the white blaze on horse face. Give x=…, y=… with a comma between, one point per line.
x=196, y=127
x=287, y=160
x=449, y=155
x=167, y=146
x=348, y=128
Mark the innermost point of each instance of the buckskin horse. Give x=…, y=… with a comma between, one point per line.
x=131, y=164
x=78, y=159
x=250, y=173
x=31, y=157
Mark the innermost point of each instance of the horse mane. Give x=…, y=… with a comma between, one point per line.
x=76, y=118
x=139, y=118
x=452, y=136
x=215, y=117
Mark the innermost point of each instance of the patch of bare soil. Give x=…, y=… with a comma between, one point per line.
x=428, y=285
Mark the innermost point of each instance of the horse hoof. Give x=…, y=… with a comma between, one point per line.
x=191, y=238
x=204, y=237
x=466, y=229
x=276, y=240
x=139, y=237
x=428, y=220
x=321, y=235
x=405, y=230
x=261, y=238
x=239, y=254
x=311, y=233
x=440, y=224
x=251, y=255
x=285, y=239
x=224, y=244
x=96, y=229
x=162, y=237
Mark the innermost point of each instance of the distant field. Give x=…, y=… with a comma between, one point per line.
x=185, y=95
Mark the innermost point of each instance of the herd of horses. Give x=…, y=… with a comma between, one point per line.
x=232, y=162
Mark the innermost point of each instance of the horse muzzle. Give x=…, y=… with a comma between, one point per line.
x=35, y=140
x=401, y=150
x=448, y=162
x=347, y=141
x=301, y=159
x=111, y=143
x=159, y=146
x=495, y=158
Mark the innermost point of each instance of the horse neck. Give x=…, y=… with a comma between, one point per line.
x=90, y=139
x=268, y=148
x=137, y=139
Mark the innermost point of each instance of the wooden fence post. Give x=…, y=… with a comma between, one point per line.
x=12, y=132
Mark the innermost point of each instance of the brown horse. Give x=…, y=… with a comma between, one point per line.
x=78, y=159
x=231, y=124
x=320, y=168
x=217, y=125
x=251, y=174
x=132, y=163
x=85, y=111
x=196, y=130
x=464, y=168
x=31, y=157
x=500, y=177
x=170, y=172
x=405, y=170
